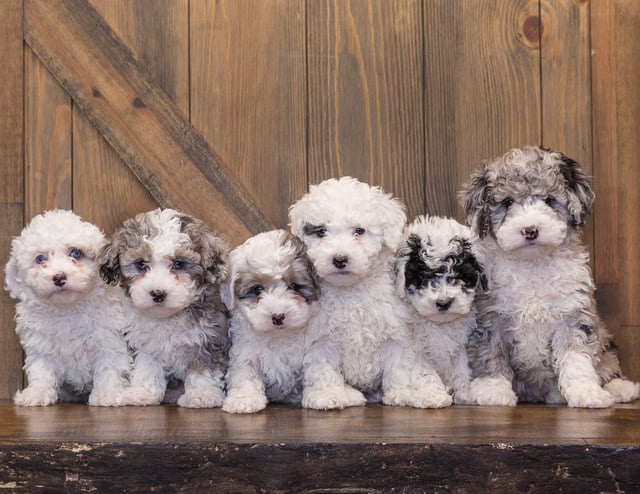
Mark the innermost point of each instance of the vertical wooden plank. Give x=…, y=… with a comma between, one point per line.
x=482, y=84
x=248, y=94
x=11, y=180
x=627, y=75
x=366, y=94
x=566, y=84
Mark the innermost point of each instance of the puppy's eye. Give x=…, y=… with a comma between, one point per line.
x=359, y=231
x=40, y=258
x=319, y=231
x=177, y=265
x=295, y=287
x=75, y=253
x=550, y=201
x=507, y=202
x=141, y=265
x=254, y=291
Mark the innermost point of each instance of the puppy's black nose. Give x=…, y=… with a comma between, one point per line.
x=340, y=261
x=444, y=304
x=529, y=232
x=277, y=319
x=158, y=296
x=59, y=279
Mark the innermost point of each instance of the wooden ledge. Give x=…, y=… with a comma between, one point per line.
x=284, y=449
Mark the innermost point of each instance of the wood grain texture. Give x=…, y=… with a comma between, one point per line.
x=482, y=86
x=283, y=449
x=248, y=94
x=366, y=95
x=136, y=117
x=48, y=145
x=12, y=200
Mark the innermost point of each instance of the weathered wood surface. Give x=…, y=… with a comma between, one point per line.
x=12, y=201
x=137, y=118
x=283, y=449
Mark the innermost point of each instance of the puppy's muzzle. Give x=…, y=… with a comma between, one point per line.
x=530, y=232
x=340, y=262
x=158, y=296
x=444, y=304
x=59, y=279
x=278, y=319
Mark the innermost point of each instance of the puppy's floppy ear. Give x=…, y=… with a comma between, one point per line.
x=391, y=213
x=475, y=201
x=108, y=258
x=12, y=281
x=213, y=250
x=399, y=267
x=228, y=288
x=581, y=195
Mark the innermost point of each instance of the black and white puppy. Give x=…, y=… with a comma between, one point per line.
x=170, y=266
x=271, y=292
x=438, y=276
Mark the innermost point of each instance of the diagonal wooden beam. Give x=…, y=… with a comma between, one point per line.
x=136, y=117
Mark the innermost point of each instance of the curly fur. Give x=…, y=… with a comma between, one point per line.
x=358, y=344
x=438, y=275
x=68, y=321
x=271, y=292
x=169, y=266
x=539, y=338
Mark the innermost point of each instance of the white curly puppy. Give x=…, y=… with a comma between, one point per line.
x=438, y=276
x=68, y=321
x=539, y=338
x=169, y=266
x=358, y=343
x=271, y=292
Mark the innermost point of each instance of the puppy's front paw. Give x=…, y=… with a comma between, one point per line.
x=107, y=398
x=332, y=397
x=32, y=396
x=201, y=398
x=623, y=390
x=588, y=396
x=434, y=397
x=492, y=391
x=244, y=401
x=141, y=396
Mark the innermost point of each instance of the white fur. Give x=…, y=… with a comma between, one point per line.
x=70, y=329
x=267, y=328
x=358, y=344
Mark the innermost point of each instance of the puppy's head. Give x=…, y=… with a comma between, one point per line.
x=272, y=282
x=436, y=269
x=350, y=228
x=529, y=200
x=163, y=260
x=54, y=259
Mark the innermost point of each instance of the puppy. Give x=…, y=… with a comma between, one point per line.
x=271, y=292
x=68, y=320
x=539, y=337
x=358, y=344
x=438, y=275
x=169, y=266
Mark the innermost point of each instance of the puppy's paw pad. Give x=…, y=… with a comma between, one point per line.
x=236, y=403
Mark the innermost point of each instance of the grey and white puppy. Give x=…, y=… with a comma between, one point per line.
x=170, y=266
x=539, y=337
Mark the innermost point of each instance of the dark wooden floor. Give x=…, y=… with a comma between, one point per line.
x=75, y=448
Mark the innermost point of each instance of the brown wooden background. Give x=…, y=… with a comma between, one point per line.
x=229, y=108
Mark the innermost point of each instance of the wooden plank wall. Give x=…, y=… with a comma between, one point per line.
x=407, y=94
